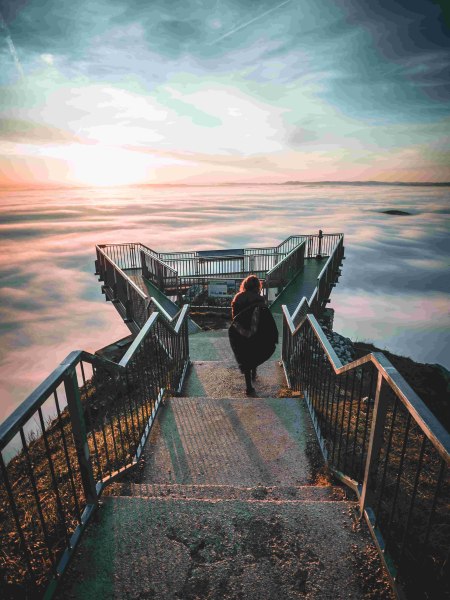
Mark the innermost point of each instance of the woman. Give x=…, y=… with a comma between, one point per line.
x=253, y=333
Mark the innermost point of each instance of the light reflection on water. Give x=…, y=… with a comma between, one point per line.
x=393, y=289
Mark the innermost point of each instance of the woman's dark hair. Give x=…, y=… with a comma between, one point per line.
x=250, y=284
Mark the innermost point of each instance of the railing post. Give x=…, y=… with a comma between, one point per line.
x=128, y=310
x=145, y=271
x=80, y=437
x=375, y=440
x=319, y=253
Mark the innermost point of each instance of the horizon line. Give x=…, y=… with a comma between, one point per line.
x=221, y=184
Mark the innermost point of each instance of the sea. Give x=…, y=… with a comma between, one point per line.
x=393, y=291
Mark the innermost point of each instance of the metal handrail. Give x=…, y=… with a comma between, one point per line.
x=155, y=256
x=167, y=277
x=248, y=252
x=105, y=443
x=335, y=256
x=327, y=264
x=121, y=272
x=425, y=419
x=284, y=260
x=364, y=436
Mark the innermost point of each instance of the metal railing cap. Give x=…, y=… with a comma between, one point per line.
x=427, y=421
x=119, y=270
x=335, y=360
x=330, y=258
x=138, y=340
x=155, y=256
x=181, y=317
x=24, y=411
x=277, y=266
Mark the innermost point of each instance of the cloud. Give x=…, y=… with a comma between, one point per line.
x=51, y=303
x=28, y=132
x=309, y=85
x=48, y=58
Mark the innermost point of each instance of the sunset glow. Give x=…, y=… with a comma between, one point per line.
x=111, y=94
x=101, y=165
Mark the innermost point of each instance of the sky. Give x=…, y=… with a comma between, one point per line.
x=117, y=92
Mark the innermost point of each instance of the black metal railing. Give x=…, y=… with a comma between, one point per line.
x=328, y=275
x=212, y=292
x=124, y=267
x=131, y=302
x=378, y=436
x=158, y=272
x=85, y=424
x=287, y=268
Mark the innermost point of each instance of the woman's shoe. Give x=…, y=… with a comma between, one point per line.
x=250, y=391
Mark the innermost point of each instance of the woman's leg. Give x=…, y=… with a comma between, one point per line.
x=253, y=373
x=248, y=382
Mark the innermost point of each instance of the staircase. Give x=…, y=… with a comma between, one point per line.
x=232, y=501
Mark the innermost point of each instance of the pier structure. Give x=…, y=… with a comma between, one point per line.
x=331, y=482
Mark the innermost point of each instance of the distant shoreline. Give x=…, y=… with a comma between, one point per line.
x=247, y=183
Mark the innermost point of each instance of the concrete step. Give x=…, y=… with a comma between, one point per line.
x=232, y=441
x=214, y=493
x=162, y=549
x=222, y=378
x=214, y=345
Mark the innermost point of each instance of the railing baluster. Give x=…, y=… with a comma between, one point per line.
x=336, y=416
x=60, y=509
x=87, y=405
x=66, y=455
x=37, y=500
x=80, y=437
x=397, y=483
x=17, y=522
x=366, y=423
x=440, y=478
x=350, y=414
x=413, y=498
x=386, y=460
x=358, y=412
x=375, y=440
x=344, y=404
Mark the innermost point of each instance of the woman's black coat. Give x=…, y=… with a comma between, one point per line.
x=253, y=332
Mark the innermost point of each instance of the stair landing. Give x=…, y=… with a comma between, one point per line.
x=230, y=441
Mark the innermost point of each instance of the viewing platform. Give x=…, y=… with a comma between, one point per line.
x=136, y=278
x=144, y=471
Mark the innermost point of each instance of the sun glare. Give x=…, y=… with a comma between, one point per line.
x=106, y=166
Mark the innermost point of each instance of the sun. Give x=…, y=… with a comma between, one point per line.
x=101, y=165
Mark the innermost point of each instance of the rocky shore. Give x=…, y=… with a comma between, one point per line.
x=343, y=346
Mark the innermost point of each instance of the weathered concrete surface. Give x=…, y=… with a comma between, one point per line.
x=214, y=345
x=223, y=379
x=224, y=493
x=164, y=549
x=244, y=442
